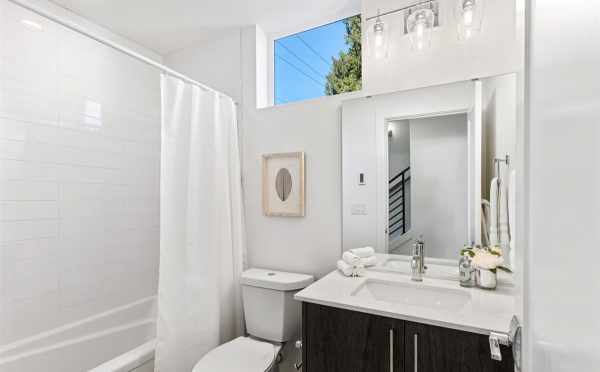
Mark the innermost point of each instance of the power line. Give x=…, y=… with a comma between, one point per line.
x=300, y=59
x=328, y=63
x=299, y=70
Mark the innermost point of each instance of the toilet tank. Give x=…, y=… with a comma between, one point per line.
x=270, y=311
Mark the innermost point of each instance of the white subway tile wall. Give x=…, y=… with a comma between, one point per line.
x=79, y=176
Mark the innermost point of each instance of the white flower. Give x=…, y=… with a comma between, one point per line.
x=497, y=250
x=485, y=260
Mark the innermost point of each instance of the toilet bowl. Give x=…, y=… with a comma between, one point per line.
x=242, y=354
x=272, y=318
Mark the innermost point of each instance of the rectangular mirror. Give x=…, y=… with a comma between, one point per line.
x=421, y=162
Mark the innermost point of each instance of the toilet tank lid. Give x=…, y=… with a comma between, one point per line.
x=277, y=280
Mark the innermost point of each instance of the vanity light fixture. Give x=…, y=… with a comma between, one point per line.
x=419, y=24
x=468, y=14
x=419, y=19
x=379, y=38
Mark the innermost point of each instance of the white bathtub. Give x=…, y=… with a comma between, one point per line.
x=140, y=359
x=88, y=343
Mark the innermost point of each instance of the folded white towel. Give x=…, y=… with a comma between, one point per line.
x=512, y=206
x=354, y=260
x=345, y=268
x=363, y=252
x=350, y=270
x=493, y=238
x=350, y=258
x=369, y=261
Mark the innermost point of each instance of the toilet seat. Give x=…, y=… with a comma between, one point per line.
x=242, y=354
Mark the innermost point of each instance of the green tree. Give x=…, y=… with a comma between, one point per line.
x=346, y=72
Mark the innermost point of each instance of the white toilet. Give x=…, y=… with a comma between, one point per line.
x=272, y=317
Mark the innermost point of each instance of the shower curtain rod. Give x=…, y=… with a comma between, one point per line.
x=74, y=27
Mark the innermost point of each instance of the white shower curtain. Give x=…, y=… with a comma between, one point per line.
x=202, y=246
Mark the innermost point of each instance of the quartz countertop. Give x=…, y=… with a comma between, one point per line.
x=485, y=311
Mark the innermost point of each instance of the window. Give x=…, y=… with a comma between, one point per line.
x=322, y=61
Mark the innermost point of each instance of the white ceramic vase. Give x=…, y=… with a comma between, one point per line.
x=487, y=279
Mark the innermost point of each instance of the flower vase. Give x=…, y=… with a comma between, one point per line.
x=487, y=279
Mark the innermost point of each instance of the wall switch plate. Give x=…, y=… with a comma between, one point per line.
x=358, y=209
x=361, y=179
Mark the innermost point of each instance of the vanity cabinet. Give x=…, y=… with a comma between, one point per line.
x=337, y=340
x=349, y=341
x=436, y=349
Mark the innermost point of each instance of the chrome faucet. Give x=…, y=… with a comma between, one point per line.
x=417, y=263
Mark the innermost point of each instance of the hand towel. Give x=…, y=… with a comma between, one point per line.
x=350, y=270
x=499, y=230
x=363, y=252
x=368, y=261
x=503, y=227
x=354, y=260
x=350, y=258
x=345, y=268
x=512, y=205
x=485, y=222
x=493, y=240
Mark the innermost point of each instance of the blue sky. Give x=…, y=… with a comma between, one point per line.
x=303, y=60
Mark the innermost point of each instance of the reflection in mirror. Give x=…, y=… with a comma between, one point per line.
x=283, y=184
x=422, y=162
x=427, y=195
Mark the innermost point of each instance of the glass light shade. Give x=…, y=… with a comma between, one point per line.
x=378, y=39
x=469, y=15
x=419, y=25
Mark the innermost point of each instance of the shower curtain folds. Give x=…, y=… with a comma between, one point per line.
x=202, y=248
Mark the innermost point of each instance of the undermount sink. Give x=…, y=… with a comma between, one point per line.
x=414, y=294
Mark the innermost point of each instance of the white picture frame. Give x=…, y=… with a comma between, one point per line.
x=283, y=184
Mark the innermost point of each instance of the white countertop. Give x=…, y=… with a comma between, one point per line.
x=485, y=311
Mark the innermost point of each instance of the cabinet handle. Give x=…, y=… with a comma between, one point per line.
x=416, y=340
x=391, y=349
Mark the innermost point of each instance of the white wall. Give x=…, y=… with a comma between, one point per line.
x=499, y=126
x=495, y=50
x=93, y=28
x=439, y=183
x=310, y=244
x=79, y=176
x=562, y=283
x=398, y=147
x=217, y=62
x=360, y=207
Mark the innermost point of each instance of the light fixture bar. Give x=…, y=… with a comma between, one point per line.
x=400, y=9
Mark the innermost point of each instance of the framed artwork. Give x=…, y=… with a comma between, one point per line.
x=283, y=184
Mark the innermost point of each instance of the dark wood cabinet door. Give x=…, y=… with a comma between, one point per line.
x=437, y=349
x=336, y=340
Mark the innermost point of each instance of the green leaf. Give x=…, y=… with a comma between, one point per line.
x=467, y=251
x=505, y=269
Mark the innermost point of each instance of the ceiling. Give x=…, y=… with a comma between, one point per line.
x=165, y=26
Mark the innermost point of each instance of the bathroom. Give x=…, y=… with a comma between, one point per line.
x=175, y=175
